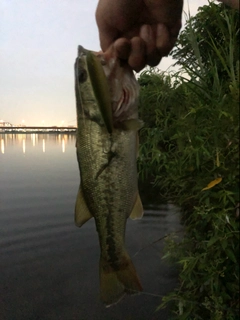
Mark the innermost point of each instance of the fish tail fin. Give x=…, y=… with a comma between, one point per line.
x=116, y=281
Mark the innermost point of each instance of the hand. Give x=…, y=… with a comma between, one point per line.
x=139, y=31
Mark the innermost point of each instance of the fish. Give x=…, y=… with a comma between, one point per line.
x=107, y=149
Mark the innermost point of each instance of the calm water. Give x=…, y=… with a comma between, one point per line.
x=49, y=267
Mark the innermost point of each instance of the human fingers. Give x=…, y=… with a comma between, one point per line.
x=137, y=57
x=159, y=41
x=153, y=42
x=152, y=55
x=122, y=48
x=132, y=51
x=164, y=40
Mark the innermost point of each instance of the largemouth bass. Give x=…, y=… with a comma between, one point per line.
x=107, y=146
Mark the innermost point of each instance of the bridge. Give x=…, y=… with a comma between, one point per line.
x=34, y=129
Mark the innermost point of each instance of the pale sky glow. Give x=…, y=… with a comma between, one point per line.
x=38, y=47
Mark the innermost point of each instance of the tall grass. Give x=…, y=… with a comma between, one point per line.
x=190, y=153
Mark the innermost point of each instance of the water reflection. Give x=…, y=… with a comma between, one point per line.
x=47, y=264
x=2, y=145
x=63, y=145
x=33, y=138
x=27, y=141
x=24, y=145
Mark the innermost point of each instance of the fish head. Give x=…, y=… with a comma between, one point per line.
x=106, y=89
x=87, y=105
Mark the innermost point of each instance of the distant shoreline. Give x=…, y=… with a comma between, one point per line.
x=38, y=132
x=34, y=129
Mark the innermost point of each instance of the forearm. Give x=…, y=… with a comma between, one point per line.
x=231, y=3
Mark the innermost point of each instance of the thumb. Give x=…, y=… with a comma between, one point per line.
x=107, y=33
x=107, y=36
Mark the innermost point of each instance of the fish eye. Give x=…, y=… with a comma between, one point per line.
x=82, y=75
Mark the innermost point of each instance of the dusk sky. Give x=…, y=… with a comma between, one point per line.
x=38, y=47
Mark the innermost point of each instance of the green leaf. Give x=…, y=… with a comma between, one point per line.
x=212, y=241
x=231, y=255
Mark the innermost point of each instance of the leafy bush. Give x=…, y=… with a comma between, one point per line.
x=190, y=153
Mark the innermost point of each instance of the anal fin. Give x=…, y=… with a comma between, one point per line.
x=82, y=213
x=137, y=211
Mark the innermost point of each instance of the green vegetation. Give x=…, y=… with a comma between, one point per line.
x=190, y=142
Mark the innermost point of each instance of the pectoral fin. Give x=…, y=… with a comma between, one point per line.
x=137, y=211
x=131, y=125
x=82, y=213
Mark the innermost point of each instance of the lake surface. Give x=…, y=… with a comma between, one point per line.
x=49, y=267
